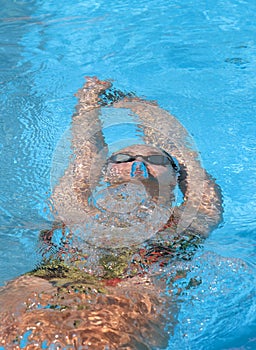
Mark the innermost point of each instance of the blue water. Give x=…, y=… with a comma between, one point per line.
x=198, y=60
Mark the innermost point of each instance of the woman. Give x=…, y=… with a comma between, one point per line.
x=104, y=286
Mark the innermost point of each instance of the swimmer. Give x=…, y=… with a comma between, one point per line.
x=104, y=287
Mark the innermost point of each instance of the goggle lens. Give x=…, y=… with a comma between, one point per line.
x=155, y=159
x=122, y=158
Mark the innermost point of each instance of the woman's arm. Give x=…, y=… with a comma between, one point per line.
x=70, y=196
x=131, y=315
x=201, y=210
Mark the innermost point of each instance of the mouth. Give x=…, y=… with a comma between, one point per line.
x=138, y=172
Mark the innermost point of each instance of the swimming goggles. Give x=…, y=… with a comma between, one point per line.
x=155, y=159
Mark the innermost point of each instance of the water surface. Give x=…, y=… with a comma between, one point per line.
x=198, y=61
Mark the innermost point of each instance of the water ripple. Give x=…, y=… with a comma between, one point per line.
x=226, y=291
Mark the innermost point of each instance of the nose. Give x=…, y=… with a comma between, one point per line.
x=139, y=169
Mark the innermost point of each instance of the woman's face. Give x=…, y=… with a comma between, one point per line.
x=140, y=166
x=143, y=163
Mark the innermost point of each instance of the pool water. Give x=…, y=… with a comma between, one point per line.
x=198, y=60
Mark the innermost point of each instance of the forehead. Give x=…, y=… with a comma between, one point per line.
x=143, y=150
